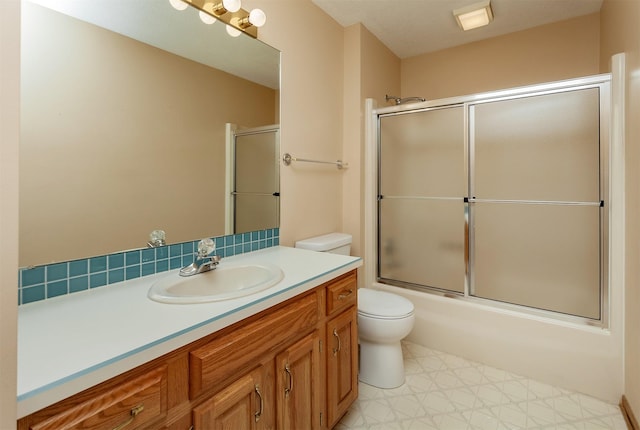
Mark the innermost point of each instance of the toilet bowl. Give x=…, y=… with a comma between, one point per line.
x=384, y=319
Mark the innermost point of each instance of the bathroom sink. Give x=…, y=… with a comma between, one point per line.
x=227, y=281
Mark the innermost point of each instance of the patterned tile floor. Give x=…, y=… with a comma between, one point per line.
x=446, y=392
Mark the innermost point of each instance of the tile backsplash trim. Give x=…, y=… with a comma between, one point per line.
x=53, y=280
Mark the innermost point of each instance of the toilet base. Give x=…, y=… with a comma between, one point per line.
x=381, y=364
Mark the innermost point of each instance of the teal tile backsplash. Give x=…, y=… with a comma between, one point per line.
x=53, y=280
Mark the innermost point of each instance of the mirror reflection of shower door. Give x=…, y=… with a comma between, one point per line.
x=256, y=188
x=421, y=240
x=536, y=212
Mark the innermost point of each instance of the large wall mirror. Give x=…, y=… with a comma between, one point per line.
x=125, y=111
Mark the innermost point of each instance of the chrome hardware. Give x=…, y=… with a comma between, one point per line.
x=201, y=265
x=258, y=414
x=202, y=262
x=345, y=294
x=134, y=412
x=288, y=158
x=289, y=389
x=335, y=334
x=398, y=101
x=156, y=239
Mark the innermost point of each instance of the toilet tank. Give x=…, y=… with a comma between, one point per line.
x=335, y=243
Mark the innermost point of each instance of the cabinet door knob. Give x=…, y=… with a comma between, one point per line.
x=134, y=412
x=289, y=389
x=337, y=336
x=259, y=413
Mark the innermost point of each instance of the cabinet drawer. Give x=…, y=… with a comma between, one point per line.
x=225, y=356
x=342, y=293
x=138, y=401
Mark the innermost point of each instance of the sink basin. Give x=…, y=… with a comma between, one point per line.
x=228, y=281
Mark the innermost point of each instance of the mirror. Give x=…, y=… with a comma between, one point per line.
x=124, y=108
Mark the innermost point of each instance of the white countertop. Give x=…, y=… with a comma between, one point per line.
x=70, y=343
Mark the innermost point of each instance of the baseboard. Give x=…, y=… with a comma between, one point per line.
x=627, y=413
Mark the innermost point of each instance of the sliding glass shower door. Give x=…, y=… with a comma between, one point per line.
x=536, y=201
x=421, y=206
x=499, y=197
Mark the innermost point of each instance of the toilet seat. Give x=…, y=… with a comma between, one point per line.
x=383, y=305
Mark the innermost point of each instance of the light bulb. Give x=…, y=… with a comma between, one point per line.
x=206, y=18
x=178, y=4
x=233, y=32
x=257, y=17
x=231, y=5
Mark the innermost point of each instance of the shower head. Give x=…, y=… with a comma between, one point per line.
x=395, y=99
x=399, y=101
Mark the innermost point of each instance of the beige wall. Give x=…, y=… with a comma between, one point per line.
x=621, y=33
x=105, y=126
x=371, y=71
x=546, y=53
x=352, y=137
x=9, y=135
x=311, y=116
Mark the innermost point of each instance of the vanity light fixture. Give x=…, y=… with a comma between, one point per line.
x=227, y=11
x=256, y=17
x=225, y=6
x=474, y=16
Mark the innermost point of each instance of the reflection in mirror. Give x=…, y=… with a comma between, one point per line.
x=121, y=137
x=254, y=175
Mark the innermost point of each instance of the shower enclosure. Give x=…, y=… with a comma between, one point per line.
x=499, y=197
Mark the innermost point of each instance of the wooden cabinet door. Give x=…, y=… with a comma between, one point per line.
x=243, y=405
x=342, y=364
x=298, y=385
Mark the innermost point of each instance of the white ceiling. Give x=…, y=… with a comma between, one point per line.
x=414, y=27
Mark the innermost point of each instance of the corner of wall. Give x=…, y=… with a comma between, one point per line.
x=9, y=139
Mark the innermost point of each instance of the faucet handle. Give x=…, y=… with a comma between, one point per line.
x=206, y=247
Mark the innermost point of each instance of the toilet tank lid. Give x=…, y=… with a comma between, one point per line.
x=383, y=304
x=325, y=242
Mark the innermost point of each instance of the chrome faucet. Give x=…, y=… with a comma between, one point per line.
x=202, y=262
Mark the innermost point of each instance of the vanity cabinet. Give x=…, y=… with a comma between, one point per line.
x=292, y=366
x=342, y=347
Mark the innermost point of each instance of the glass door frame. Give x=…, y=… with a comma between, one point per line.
x=372, y=128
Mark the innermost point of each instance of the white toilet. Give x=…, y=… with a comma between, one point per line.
x=384, y=319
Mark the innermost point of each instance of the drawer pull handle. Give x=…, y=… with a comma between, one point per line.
x=345, y=294
x=337, y=336
x=134, y=412
x=289, y=389
x=259, y=413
